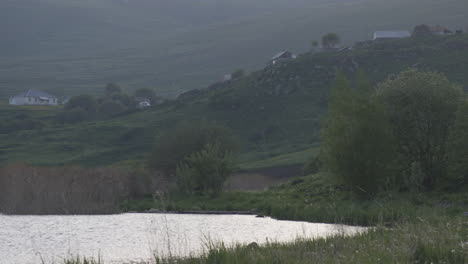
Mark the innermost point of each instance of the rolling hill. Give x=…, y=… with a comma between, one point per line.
x=76, y=46
x=275, y=110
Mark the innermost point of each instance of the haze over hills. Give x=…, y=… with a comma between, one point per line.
x=76, y=46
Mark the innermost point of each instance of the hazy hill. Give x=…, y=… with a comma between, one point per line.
x=75, y=46
x=275, y=110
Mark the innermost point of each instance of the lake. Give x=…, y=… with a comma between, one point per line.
x=133, y=237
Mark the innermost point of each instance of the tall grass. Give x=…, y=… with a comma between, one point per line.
x=28, y=189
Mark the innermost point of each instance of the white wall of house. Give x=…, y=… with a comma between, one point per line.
x=18, y=100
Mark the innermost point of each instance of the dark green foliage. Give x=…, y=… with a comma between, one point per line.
x=109, y=108
x=124, y=99
x=421, y=107
x=239, y=73
x=146, y=93
x=313, y=166
x=112, y=88
x=424, y=252
x=357, y=143
x=74, y=115
x=85, y=102
x=458, y=148
x=330, y=40
x=177, y=144
x=314, y=44
x=421, y=31
x=205, y=171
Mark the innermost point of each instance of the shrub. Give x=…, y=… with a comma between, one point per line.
x=85, y=102
x=111, y=108
x=205, y=171
x=421, y=107
x=177, y=144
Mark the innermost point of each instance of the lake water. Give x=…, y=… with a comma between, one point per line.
x=132, y=237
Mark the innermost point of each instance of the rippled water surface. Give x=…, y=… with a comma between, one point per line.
x=120, y=238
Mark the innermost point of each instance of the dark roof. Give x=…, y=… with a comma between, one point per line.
x=392, y=34
x=35, y=93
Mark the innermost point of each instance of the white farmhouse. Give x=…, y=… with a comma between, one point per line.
x=32, y=97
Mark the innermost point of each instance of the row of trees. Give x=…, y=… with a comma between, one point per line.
x=409, y=133
x=114, y=102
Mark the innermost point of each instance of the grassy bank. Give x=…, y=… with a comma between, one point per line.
x=315, y=198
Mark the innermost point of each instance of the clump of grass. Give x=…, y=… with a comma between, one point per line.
x=78, y=260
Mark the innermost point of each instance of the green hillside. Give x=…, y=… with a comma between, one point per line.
x=274, y=111
x=72, y=47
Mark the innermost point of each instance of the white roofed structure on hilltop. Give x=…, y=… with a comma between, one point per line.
x=282, y=56
x=32, y=97
x=391, y=34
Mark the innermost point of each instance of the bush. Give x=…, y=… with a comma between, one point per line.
x=421, y=107
x=110, y=108
x=85, y=102
x=205, y=171
x=179, y=143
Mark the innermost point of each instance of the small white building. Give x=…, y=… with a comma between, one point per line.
x=143, y=102
x=282, y=56
x=32, y=97
x=391, y=34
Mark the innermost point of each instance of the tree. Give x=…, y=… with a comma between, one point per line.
x=356, y=139
x=85, y=102
x=458, y=147
x=314, y=44
x=330, y=40
x=205, y=171
x=146, y=93
x=421, y=107
x=124, y=99
x=421, y=31
x=178, y=143
x=111, y=108
x=112, y=88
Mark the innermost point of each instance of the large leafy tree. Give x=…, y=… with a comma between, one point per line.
x=421, y=107
x=357, y=142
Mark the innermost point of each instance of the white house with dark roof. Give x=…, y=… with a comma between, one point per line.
x=391, y=34
x=32, y=97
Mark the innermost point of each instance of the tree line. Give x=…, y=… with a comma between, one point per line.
x=114, y=102
x=409, y=133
